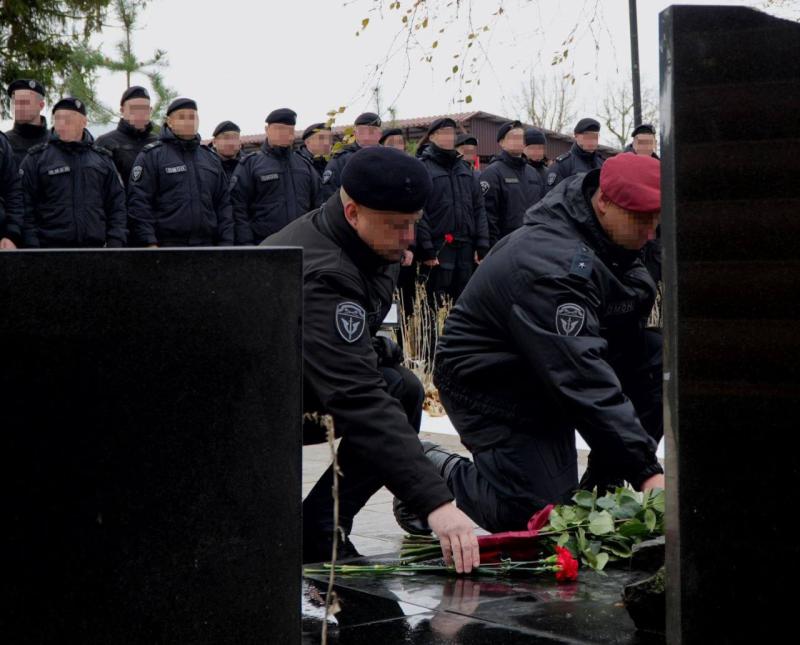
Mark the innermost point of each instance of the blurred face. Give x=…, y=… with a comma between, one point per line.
x=280, y=135
x=588, y=141
x=514, y=142
x=445, y=138
x=69, y=125
x=367, y=135
x=396, y=141
x=627, y=229
x=228, y=144
x=534, y=152
x=27, y=106
x=319, y=144
x=468, y=152
x=137, y=112
x=644, y=144
x=184, y=123
x=387, y=233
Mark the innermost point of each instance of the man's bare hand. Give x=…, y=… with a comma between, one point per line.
x=152, y=246
x=457, y=537
x=7, y=245
x=656, y=481
x=477, y=259
x=431, y=263
x=407, y=259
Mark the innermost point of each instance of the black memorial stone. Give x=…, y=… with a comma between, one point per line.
x=151, y=453
x=730, y=92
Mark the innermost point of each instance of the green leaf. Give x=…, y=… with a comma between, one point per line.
x=434, y=44
x=602, y=561
x=633, y=528
x=468, y=98
x=455, y=68
x=562, y=539
x=584, y=499
x=557, y=522
x=581, y=540
x=650, y=519
x=364, y=23
x=601, y=523
x=658, y=501
x=618, y=549
x=607, y=503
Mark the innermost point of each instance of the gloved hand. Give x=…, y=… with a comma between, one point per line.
x=389, y=352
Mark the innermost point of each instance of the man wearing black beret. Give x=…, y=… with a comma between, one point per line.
x=30, y=126
x=228, y=145
x=353, y=245
x=509, y=184
x=134, y=131
x=367, y=132
x=467, y=147
x=274, y=186
x=178, y=192
x=534, y=151
x=644, y=141
x=73, y=194
x=582, y=157
x=453, y=234
x=393, y=138
x=316, y=147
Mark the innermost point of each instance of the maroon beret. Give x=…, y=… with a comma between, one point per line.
x=632, y=182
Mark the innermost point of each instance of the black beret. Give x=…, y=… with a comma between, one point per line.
x=70, y=103
x=587, y=125
x=465, y=139
x=181, y=104
x=226, y=126
x=134, y=92
x=644, y=128
x=387, y=179
x=534, y=136
x=438, y=124
x=26, y=84
x=506, y=128
x=313, y=128
x=390, y=132
x=282, y=115
x=368, y=118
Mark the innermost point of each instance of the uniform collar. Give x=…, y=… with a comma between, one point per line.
x=168, y=136
x=445, y=158
x=124, y=127
x=580, y=152
x=511, y=160
x=30, y=131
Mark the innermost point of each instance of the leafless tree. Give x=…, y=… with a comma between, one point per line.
x=547, y=101
x=616, y=112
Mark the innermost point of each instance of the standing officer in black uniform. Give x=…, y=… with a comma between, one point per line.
x=548, y=338
x=582, y=157
x=11, y=207
x=352, y=246
x=509, y=184
x=273, y=186
x=228, y=145
x=534, y=151
x=30, y=127
x=467, y=147
x=317, y=142
x=393, y=138
x=455, y=212
x=643, y=141
x=134, y=131
x=178, y=193
x=367, y=131
x=73, y=194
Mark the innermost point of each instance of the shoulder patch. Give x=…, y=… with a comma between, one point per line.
x=582, y=263
x=136, y=173
x=551, y=178
x=569, y=319
x=326, y=176
x=485, y=186
x=350, y=321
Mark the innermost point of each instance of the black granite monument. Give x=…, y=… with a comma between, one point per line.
x=151, y=454
x=730, y=92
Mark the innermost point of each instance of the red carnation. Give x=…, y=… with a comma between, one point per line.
x=567, y=565
x=448, y=238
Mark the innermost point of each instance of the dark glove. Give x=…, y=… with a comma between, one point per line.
x=389, y=352
x=482, y=252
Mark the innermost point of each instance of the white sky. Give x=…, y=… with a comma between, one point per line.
x=242, y=58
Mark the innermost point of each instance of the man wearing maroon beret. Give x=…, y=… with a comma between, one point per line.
x=547, y=338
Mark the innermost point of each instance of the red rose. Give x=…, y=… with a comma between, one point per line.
x=567, y=565
x=448, y=238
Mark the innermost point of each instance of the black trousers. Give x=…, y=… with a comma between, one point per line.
x=448, y=280
x=504, y=484
x=360, y=477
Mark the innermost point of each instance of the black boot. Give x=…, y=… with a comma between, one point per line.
x=320, y=548
x=445, y=462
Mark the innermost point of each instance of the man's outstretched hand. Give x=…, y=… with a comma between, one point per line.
x=656, y=481
x=457, y=537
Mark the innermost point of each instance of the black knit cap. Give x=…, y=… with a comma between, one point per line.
x=465, y=139
x=587, y=125
x=386, y=179
x=134, y=92
x=506, y=128
x=368, y=118
x=314, y=128
x=181, y=104
x=70, y=103
x=26, y=84
x=534, y=136
x=226, y=126
x=284, y=116
x=644, y=128
x=438, y=124
x=390, y=132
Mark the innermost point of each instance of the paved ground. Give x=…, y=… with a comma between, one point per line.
x=375, y=531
